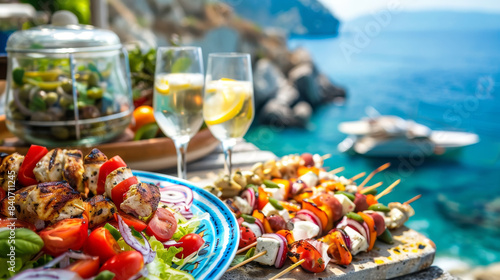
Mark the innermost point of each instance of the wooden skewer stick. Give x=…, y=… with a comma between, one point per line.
x=325, y=157
x=413, y=199
x=290, y=268
x=336, y=170
x=388, y=190
x=246, y=248
x=247, y=260
x=356, y=177
x=368, y=178
x=367, y=189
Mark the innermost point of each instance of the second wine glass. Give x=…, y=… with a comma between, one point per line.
x=178, y=97
x=228, y=106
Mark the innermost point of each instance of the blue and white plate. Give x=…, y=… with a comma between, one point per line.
x=221, y=232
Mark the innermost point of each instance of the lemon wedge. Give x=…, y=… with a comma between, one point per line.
x=162, y=87
x=223, y=105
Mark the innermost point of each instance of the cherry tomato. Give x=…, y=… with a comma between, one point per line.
x=143, y=115
x=118, y=192
x=247, y=237
x=302, y=249
x=64, y=235
x=379, y=222
x=109, y=166
x=162, y=225
x=101, y=243
x=85, y=268
x=17, y=224
x=191, y=243
x=33, y=156
x=131, y=221
x=308, y=159
x=124, y=265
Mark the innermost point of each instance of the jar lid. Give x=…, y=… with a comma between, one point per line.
x=64, y=35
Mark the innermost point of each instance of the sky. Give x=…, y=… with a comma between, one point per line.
x=351, y=9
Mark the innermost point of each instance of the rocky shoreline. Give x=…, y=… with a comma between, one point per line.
x=288, y=85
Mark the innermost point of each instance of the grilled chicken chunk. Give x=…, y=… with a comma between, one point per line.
x=50, y=167
x=21, y=211
x=54, y=201
x=10, y=166
x=115, y=177
x=73, y=170
x=92, y=162
x=141, y=200
x=100, y=209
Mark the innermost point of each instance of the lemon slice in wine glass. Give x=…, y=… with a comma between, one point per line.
x=225, y=103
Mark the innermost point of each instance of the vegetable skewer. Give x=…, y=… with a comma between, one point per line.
x=412, y=199
x=388, y=189
x=288, y=269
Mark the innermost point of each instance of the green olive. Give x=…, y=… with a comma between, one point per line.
x=51, y=98
x=65, y=101
x=94, y=93
x=24, y=92
x=93, y=80
x=67, y=87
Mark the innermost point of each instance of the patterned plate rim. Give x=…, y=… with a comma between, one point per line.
x=232, y=245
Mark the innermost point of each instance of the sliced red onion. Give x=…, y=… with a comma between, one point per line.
x=367, y=230
x=63, y=259
x=47, y=274
x=282, y=252
x=146, y=250
x=354, y=225
x=261, y=226
x=249, y=195
x=171, y=243
x=290, y=224
x=176, y=194
x=240, y=220
x=307, y=215
x=322, y=249
x=347, y=239
x=297, y=186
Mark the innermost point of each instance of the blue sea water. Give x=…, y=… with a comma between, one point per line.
x=448, y=80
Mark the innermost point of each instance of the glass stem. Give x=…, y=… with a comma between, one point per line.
x=227, y=147
x=181, y=147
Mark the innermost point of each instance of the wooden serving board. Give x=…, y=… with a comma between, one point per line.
x=411, y=252
x=149, y=155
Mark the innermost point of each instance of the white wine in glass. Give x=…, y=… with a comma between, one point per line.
x=228, y=106
x=178, y=97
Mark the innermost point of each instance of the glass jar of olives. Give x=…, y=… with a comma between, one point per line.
x=67, y=84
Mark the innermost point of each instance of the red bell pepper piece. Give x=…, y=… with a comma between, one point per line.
x=109, y=166
x=26, y=176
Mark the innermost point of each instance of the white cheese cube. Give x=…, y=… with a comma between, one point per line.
x=343, y=180
x=395, y=218
x=310, y=178
x=269, y=210
x=272, y=247
x=318, y=161
x=358, y=241
x=323, y=175
x=243, y=205
x=254, y=228
x=276, y=193
x=304, y=230
x=351, y=188
x=347, y=204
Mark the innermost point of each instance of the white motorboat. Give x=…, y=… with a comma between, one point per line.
x=392, y=136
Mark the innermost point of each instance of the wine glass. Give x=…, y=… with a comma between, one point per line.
x=228, y=103
x=178, y=97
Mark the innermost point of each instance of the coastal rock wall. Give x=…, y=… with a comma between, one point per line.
x=288, y=85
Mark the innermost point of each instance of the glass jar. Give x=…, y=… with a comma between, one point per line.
x=67, y=85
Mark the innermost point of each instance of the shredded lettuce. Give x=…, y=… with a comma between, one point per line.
x=184, y=227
